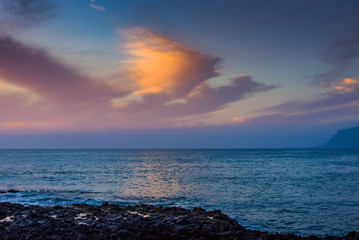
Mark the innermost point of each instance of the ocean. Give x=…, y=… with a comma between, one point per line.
x=300, y=191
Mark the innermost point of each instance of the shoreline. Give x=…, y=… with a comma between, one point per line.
x=111, y=221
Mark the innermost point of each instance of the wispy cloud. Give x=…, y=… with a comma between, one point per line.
x=339, y=56
x=30, y=11
x=339, y=102
x=96, y=6
x=339, y=99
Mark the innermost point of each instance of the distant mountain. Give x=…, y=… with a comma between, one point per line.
x=345, y=138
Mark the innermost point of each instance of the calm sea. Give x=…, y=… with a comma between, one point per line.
x=301, y=191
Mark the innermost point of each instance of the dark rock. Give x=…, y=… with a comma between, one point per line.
x=110, y=221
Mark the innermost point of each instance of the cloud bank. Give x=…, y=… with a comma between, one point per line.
x=160, y=83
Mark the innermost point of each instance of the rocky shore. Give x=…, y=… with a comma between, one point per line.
x=109, y=221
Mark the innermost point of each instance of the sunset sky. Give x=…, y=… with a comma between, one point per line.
x=181, y=73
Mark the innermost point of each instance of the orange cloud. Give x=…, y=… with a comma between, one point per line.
x=345, y=85
x=162, y=66
x=239, y=119
x=171, y=80
x=28, y=125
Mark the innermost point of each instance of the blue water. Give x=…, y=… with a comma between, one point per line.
x=302, y=191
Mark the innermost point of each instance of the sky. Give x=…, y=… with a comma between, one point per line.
x=178, y=73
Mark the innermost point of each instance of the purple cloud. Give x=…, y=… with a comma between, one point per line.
x=339, y=56
x=41, y=73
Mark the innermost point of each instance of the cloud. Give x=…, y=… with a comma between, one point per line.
x=12, y=90
x=41, y=73
x=171, y=80
x=339, y=99
x=345, y=86
x=162, y=84
x=240, y=119
x=98, y=7
x=339, y=56
x=33, y=11
x=339, y=102
x=36, y=87
x=204, y=98
x=162, y=66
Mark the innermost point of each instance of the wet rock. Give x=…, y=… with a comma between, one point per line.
x=110, y=221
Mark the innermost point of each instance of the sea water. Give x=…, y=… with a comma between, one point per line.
x=300, y=191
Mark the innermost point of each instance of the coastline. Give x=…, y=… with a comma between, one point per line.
x=111, y=221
